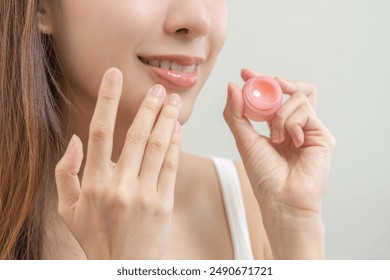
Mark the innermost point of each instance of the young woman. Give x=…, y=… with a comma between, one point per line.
x=116, y=80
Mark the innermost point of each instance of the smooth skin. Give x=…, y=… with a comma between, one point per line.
x=288, y=172
x=129, y=202
x=122, y=206
x=135, y=195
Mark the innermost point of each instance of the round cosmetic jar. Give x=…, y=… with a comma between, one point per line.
x=262, y=98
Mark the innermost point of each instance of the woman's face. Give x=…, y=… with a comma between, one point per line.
x=169, y=42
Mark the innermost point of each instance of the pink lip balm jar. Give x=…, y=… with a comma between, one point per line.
x=262, y=98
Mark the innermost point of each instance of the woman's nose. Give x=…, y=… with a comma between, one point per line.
x=189, y=18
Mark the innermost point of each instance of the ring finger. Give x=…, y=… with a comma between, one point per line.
x=159, y=141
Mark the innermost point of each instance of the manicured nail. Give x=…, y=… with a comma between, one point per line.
x=158, y=91
x=174, y=100
x=114, y=76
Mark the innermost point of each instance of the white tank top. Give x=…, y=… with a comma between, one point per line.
x=234, y=207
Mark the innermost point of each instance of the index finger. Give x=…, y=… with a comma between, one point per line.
x=292, y=87
x=246, y=74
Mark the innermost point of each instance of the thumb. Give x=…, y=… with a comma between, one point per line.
x=67, y=181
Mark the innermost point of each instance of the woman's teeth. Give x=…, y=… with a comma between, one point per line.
x=170, y=65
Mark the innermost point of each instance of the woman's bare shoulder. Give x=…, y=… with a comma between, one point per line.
x=204, y=193
x=199, y=207
x=197, y=181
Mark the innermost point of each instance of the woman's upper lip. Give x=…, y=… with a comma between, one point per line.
x=180, y=59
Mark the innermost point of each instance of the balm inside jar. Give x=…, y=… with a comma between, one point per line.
x=262, y=98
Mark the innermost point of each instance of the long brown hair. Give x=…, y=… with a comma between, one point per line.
x=30, y=130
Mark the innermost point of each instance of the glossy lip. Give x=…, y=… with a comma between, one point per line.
x=172, y=79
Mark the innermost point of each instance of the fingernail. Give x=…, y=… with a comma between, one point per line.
x=296, y=142
x=174, y=100
x=71, y=144
x=114, y=76
x=230, y=89
x=286, y=82
x=280, y=79
x=177, y=126
x=158, y=91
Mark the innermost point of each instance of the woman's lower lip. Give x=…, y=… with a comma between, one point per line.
x=175, y=80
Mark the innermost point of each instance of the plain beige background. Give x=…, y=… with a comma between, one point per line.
x=341, y=46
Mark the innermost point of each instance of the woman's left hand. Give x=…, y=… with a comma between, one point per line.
x=288, y=170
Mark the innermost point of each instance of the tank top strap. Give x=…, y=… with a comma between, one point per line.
x=234, y=207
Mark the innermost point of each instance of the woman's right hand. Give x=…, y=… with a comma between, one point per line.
x=123, y=210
